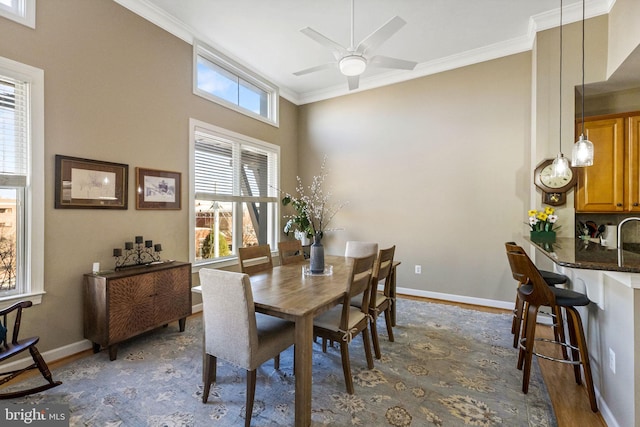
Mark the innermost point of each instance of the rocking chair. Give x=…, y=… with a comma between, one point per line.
x=10, y=349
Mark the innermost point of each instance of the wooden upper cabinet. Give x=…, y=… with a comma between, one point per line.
x=612, y=183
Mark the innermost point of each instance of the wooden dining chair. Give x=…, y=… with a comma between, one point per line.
x=380, y=301
x=11, y=345
x=535, y=292
x=254, y=259
x=234, y=332
x=290, y=252
x=344, y=322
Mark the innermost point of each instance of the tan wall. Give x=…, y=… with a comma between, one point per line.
x=624, y=32
x=437, y=166
x=546, y=80
x=117, y=88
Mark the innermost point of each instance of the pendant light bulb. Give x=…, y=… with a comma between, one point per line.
x=582, y=153
x=560, y=167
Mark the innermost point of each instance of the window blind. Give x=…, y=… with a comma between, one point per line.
x=14, y=137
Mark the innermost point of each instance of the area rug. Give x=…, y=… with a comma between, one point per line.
x=448, y=366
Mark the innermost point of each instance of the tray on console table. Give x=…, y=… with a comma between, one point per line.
x=123, y=304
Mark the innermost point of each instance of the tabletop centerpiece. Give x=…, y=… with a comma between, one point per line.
x=542, y=225
x=314, y=213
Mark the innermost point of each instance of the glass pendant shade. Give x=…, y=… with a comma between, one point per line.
x=582, y=153
x=560, y=167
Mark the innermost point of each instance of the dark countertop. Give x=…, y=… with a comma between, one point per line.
x=576, y=253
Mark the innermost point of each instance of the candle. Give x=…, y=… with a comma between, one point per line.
x=117, y=252
x=158, y=247
x=138, y=239
x=128, y=245
x=148, y=243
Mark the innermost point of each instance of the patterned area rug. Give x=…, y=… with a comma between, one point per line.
x=447, y=367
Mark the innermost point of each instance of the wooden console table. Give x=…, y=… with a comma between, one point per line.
x=123, y=304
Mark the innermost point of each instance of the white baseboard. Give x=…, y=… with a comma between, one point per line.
x=456, y=298
x=51, y=355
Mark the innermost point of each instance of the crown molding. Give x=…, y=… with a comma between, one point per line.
x=540, y=22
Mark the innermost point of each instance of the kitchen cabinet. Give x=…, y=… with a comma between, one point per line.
x=612, y=184
x=125, y=303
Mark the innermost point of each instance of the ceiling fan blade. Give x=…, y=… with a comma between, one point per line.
x=338, y=50
x=316, y=68
x=380, y=35
x=388, y=62
x=353, y=81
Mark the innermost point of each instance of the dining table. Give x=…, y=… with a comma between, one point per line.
x=291, y=292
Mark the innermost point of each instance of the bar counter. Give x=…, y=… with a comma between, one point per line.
x=610, y=279
x=576, y=253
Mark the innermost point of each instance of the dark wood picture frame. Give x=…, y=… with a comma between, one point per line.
x=90, y=184
x=158, y=189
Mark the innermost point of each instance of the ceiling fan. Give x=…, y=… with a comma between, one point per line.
x=353, y=61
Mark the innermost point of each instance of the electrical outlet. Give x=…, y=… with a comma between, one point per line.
x=612, y=361
x=418, y=269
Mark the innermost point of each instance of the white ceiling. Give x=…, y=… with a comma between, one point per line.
x=264, y=35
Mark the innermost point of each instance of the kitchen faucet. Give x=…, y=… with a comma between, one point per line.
x=633, y=218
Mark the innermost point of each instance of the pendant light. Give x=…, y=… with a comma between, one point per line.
x=560, y=165
x=582, y=152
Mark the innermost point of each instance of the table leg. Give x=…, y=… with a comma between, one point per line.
x=303, y=371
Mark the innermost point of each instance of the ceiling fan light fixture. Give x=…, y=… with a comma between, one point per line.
x=353, y=65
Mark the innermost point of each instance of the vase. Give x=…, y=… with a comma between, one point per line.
x=317, y=255
x=542, y=236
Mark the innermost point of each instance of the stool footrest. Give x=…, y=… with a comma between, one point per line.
x=554, y=359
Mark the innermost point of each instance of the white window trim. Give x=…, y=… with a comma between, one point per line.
x=25, y=15
x=197, y=124
x=209, y=53
x=35, y=188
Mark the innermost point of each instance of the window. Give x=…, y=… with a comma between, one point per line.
x=221, y=80
x=21, y=11
x=21, y=192
x=234, y=193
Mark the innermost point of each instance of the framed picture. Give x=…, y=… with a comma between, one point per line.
x=90, y=184
x=157, y=189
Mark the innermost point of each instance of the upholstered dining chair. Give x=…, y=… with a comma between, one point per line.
x=356, y=249
x=380, y=301
x=11, y=346
x=551, y=279
x=234, y=332
x=535, y=293
x=290, y=252
x=344, y=322
x=254, y=259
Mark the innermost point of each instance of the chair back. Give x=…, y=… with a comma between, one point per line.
x=357, y=249
x=290, y=251
x=254, y=259
x=382, y=272
x=513, y=247
x=230, y=329
x=534, y=289
x=359, y=283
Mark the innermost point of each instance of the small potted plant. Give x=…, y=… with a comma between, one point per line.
x=542, y=225
x=299, y=223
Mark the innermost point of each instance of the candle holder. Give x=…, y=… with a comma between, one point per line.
x=142, y=252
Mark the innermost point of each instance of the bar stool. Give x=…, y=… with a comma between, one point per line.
x=535, y=293
x=551, y=279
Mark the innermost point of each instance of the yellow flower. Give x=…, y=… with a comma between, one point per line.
x=533, y=212
x=549, y=210
x=542, y=216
